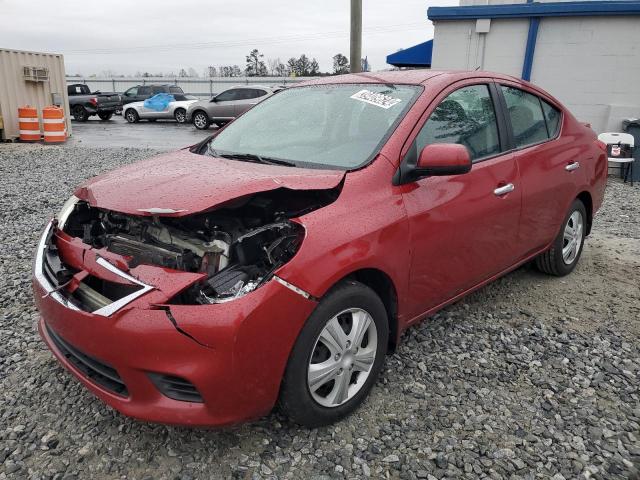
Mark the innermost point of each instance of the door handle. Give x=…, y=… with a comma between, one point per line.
x=572, y=166
x=504, y=190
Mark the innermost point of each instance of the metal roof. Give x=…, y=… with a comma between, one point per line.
x=534, y=9
x=416, y=56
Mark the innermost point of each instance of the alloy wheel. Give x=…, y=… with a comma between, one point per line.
x=181, y=116
x=200, y=120
x=342, y=357
x=572, y=240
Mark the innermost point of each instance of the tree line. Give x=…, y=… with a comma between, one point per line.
x=255, y=66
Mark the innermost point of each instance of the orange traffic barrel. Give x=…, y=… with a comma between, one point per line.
x=55, y=129
x=28, y=122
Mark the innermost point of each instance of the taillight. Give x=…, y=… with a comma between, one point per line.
x=93, y=101
x=601, y=145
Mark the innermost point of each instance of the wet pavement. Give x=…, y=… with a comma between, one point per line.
x=161, y=135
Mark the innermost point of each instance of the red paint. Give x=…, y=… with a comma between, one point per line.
x=190, y=183
x=436, y=239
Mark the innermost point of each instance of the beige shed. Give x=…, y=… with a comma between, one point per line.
x=30, y=78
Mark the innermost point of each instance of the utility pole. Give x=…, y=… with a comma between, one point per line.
x=356, y=36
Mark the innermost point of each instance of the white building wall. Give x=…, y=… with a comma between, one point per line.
x=457, y=46
x=591, y=64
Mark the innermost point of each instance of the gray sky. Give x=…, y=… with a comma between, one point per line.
x=165, y=36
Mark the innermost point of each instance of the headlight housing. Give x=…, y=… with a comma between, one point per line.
x=63, y=215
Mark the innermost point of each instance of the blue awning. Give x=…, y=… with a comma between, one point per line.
x=416, y=56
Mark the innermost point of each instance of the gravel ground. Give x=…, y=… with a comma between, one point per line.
x=531, y=377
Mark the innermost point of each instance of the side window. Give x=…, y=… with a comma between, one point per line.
x=228, y=95
x=257, y=93
x=466, y=117
x=133, y=91
x=144, y=91
x=156, y=90
x=175, y=89
x=526, y=116
x=552, y=116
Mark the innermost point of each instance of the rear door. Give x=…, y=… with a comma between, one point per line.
x=463, y=228
x=250, y=97
x=549, y=164
x=144, y=92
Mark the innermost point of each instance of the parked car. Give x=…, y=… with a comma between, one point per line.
x=282, y=258
x=227, y=105
x=142, y=92
x=83, y=103
x=176, y=109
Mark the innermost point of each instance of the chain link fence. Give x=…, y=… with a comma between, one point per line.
x=200, y=87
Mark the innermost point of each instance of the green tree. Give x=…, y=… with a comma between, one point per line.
x=255, y=66
x=340, y=64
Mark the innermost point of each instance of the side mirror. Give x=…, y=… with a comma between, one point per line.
x=214, y=99
x=443, y=159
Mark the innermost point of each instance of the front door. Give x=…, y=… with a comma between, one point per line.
x=224, y=105
x=463, y=228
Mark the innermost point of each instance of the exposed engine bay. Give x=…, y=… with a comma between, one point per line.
x=237, y=246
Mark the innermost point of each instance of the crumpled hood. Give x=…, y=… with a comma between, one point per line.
x=183, y=183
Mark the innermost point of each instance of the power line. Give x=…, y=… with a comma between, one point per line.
x=245, y=42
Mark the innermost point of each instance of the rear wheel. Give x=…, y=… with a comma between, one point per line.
x=337, y=356
x=180, y=115
x=80, y=113
x=131, y=115
x=201, y=120
x=565, y=252
x=104, y=116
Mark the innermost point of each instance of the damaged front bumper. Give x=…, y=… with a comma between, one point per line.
x=180, y=364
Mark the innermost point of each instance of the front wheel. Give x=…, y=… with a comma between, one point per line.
x=201, y=120
x=131, y=116
x=337, y=356
x=563, y=256
x=180, y=115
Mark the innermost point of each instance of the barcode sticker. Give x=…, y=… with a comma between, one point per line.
x=378, y=99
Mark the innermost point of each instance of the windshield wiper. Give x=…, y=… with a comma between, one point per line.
x=252, y=157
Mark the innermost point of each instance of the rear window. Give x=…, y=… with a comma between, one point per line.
x=527, y=121
x=552, y=116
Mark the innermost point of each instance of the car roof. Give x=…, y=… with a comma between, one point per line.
x=157, y=85
x=408, y=77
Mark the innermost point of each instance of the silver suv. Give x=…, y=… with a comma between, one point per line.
x=225, y=106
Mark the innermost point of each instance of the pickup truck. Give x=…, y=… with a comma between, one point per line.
x=83, y=103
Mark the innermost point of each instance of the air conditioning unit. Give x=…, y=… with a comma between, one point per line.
x=35, y=74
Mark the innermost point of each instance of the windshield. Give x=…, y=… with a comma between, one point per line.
x=322, y=126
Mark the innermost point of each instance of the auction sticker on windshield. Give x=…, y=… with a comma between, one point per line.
x=377, y=99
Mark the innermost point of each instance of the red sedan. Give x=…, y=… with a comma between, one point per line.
x=281, y=259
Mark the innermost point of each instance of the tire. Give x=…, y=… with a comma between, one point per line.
x=201, y=120
x=180, y=115
x=80, y=114
x=329, y=402
x=104, y=116
x=131, y=116
x=561, y=259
